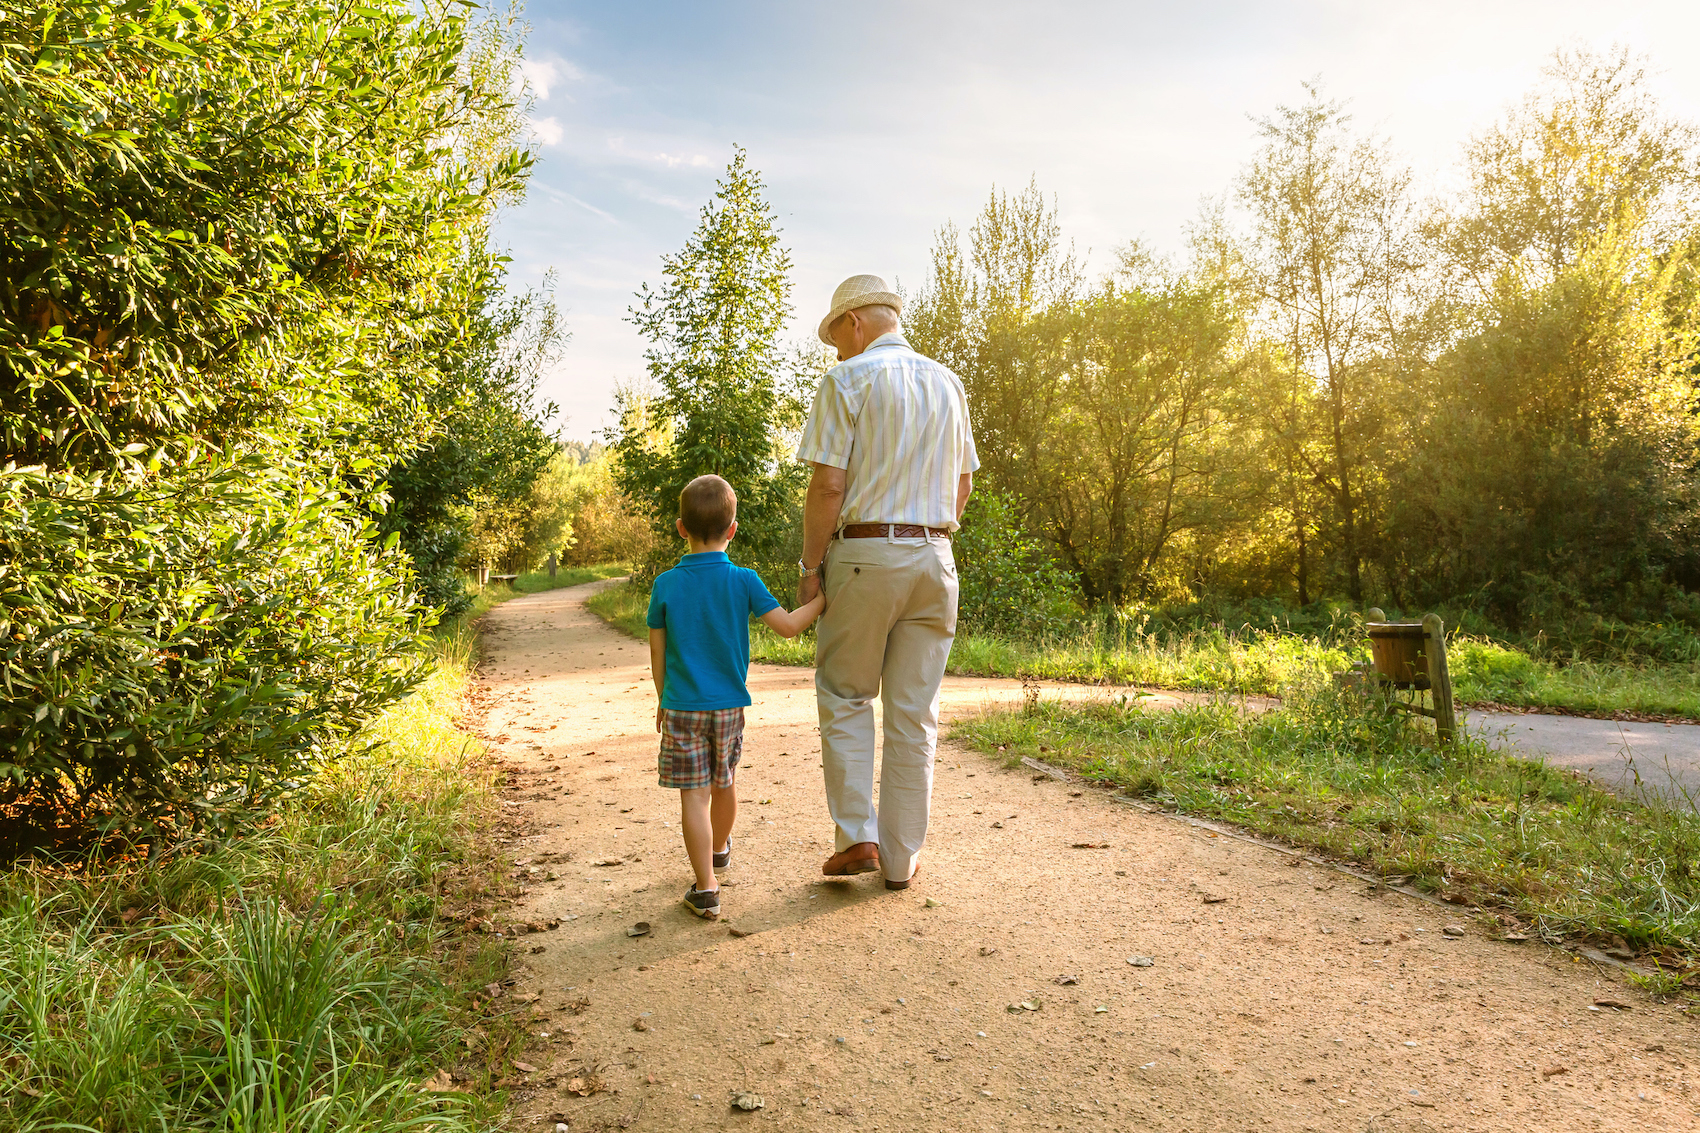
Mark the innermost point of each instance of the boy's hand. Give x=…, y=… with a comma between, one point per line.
x=658, y=712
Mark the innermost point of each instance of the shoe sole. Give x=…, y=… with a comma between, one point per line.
x=904, y=884
x=713, y=911
x=866, y=865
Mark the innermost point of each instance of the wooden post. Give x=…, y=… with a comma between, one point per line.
x=1439, y=677
x=484, y=574
x=551, y=566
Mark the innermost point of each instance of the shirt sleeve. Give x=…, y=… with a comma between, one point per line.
x=830, y=429
x=761, y=598
x=970, y=455
x=657, y=618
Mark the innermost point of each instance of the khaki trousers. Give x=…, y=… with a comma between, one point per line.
x=890, y=618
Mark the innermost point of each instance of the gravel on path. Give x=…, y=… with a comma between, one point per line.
x=1000, y=992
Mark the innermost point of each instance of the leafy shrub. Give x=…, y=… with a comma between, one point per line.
x=1009, y=583
x=176, y=652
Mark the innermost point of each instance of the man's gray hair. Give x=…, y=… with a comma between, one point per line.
x=883, y=318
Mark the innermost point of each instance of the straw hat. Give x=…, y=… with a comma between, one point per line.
x=859, y=291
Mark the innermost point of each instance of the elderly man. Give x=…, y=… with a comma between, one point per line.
x=894, y=461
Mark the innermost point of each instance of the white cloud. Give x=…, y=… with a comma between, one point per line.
x=540, y=76
x=656, y=157
x=546, y=131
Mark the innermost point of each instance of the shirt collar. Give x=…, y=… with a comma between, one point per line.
x=891, y=338
x=703, y=558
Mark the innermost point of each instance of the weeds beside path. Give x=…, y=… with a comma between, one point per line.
x=306, y=976
x=1263, y=663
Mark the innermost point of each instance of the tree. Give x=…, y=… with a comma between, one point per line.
x=991, y=318
x=1557, y=469
x=1329, y=256
x=465, y=494
x=1133, y=459
x=241, y=246
x=721, y=405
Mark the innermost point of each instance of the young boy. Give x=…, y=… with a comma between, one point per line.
x=699, y=651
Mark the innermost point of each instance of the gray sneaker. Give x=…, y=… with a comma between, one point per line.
x=723, y=858
x=703, y=904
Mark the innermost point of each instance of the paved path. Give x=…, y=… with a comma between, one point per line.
x=997, y=994
x=1662, y=760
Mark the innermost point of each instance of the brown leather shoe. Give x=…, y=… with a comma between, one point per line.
x=863, y=857
x=890, y=884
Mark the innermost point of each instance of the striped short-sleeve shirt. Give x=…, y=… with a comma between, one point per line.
x=897, y=423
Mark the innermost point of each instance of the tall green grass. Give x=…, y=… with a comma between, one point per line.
x=1332, y=771
x=301, y=978
x=1258, y=660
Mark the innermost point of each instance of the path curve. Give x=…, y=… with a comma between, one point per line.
x=1299, y=1002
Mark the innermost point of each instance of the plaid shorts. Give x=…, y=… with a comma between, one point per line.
x=700, y=749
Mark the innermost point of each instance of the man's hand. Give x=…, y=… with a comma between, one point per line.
x=807, y=590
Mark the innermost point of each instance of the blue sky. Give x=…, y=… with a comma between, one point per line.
x=874, y=124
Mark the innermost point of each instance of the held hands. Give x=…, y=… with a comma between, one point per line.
x=808, y=589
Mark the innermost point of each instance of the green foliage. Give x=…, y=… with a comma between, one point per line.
x=1009, y=584
x=1333, y=772
x=221, y=215
x=1489, y=411
x=721, y=405
x=304, y=977
x=467, y=495
x=182, y=656
x=243, y=253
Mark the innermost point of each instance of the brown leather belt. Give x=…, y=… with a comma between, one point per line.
x=898, y=531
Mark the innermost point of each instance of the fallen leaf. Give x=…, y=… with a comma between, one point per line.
x=997, y=826
x=739, y=931
x=441, y=1082
x=1066, y=980
x=1553, y=1071
x=1100, y=1010
x=984, y=951
x=1514, y=937
x=1453, y=930
x=748, y=1102
x=1089, y=846
x=1213, y=899
x=525, y=1068
x=932, y=903
x=1612, y=1003
x=1141, y=961
x=577, y=1086
x=639, y=929
x=609, y=861
x=639, y=1025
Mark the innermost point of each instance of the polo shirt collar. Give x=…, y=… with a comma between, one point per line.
x=703, y=558
x=892, y=338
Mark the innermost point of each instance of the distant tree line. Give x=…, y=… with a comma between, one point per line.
x=1486, y=399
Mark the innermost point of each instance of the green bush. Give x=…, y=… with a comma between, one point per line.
x=178, y=652
x=1009, y=583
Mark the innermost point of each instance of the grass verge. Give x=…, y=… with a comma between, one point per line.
x=1538, y=850
x=304, y=977
x=1258, y=662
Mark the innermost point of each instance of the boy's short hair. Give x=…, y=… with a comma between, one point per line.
x=708, y=506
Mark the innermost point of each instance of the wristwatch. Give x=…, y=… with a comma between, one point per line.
x=807, y=571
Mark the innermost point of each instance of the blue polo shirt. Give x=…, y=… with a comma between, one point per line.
x=705, y=604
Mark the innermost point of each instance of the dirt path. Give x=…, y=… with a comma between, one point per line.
x=1301, y=1001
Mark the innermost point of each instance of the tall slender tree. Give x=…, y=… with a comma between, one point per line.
x=721, y=403
x=1330, y=250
